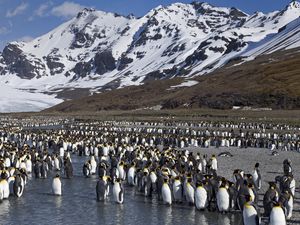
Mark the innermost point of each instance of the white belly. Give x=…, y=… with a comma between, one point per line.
x=190, y=193
x=177, y=190
x=5, y=189
x=277, y=216
x=56, y=186
x=249, y=215
x=93, y=166
x=223, y=199
x=201, y=198
x=131, y=175
x=116, y=193
x=166, y=194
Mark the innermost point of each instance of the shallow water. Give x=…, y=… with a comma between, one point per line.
x=78, y=205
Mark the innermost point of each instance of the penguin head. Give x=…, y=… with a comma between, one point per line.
x=249, y=176
x=189, y=180
x=250, y=186
x=57, y=176
x=272, y=185
x=277, y=204
x=118, y=180
x=199, y=184
x=177, y=178
x=248, y=198
x=256, y=165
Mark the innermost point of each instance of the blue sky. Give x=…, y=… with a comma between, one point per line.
x=26, y=19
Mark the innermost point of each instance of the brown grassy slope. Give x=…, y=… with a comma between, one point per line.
x=268, y=81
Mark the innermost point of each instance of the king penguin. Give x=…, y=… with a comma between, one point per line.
x=101, y=189
x=131, y=176
x=93, y=165
x=201, y=197
x=177, y=189
x=277, y=216
x=56, y=185
x=256, y=177
x=18, y=187
x=4, y=186
x=223, y=198
x=190, y=191
x=118, y=191
x=166, y=193
x=250, y=213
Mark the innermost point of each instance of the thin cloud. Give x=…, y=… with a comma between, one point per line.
x=26, y=39
x=67, y=10
x=4, y=30
x=18, y=10
x=41, y=11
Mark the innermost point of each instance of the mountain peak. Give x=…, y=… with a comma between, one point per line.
x=85, y=12
x=293, y=5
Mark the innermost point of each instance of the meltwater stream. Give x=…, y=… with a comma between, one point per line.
x=78, y=205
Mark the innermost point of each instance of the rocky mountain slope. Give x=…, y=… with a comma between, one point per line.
x=98, y=51
x=270, y=81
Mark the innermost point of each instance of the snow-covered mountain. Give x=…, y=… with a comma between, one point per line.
x=98, y=50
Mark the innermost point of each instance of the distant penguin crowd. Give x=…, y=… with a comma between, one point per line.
x=152, y=158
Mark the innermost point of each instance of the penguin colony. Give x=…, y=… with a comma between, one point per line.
x=127, y=153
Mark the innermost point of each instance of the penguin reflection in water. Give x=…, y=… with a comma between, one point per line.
x=56, y=185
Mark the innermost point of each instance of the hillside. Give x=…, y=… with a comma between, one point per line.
x=268, y=81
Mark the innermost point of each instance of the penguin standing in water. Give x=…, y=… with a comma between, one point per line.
x=122, y=173
x=223, y=198
x=250, y=212
x=177, y=190
x=190, y=191
x=44, y=169
x=101, y=189
x=4, y=186
x=93, y=165
x=56, y=185
x=18, y=186
x=56, y=163
x=11, y=181
x=166, y=192
x=277, y=216
x=28, y=165
x=86, y=169
x=37, y=169
x=201, y=199
x=118, y=191
x=131, y=175
x=68, y=168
